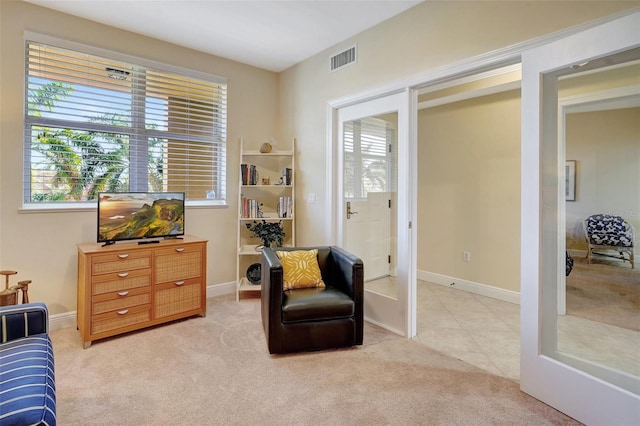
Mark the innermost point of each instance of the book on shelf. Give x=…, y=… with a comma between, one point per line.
x=286, y=176
x=285, y=207
x=249, y=174
x=250, y=208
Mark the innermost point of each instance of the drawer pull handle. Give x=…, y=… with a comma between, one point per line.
x=179, y=282
x=123, y=293
x=122, y=312
x=123, y=255
x=123, y=274
x=180, y=249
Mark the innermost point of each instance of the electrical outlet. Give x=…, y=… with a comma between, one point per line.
x=466, y=256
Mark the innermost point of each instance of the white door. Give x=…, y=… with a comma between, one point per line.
x=586, y=386
x=367, y=231
x=375, y=206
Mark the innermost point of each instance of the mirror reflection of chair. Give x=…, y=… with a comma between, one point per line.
x=324, y=311
x=9, y=296
x=607, y=233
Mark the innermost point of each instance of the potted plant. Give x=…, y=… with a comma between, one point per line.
x=268, y=232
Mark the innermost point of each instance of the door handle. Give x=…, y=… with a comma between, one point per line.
x=349, y=212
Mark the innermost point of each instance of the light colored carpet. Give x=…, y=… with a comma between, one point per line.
x=605, y=291
x=217, y=371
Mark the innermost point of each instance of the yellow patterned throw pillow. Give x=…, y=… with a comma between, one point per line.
x=300, y=269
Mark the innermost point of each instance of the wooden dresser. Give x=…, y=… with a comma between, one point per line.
x=128, y=286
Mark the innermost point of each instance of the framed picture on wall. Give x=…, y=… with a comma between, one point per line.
x=570, y=180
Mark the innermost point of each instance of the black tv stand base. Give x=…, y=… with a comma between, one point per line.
x=149, y=242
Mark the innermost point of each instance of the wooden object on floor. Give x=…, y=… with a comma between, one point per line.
x=127, y=286
x=9, y=296
x=7, y=274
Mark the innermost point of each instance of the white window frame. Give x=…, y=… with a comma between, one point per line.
x=137, y=61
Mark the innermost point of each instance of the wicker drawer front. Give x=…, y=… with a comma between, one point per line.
x=120, y=261
x=120, y=300
x=179, y=263
x=174, y=298
x=119, y=319
x=120, y=281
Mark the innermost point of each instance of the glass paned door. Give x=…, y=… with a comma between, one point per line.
x=580, y=160
x=374, y=204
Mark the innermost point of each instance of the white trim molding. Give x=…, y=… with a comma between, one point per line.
x=63, y=320
x=471, y=287
x=221, y=289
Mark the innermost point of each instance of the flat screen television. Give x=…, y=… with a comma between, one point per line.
x=140, y=215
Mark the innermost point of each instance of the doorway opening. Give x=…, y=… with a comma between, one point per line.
x=468, y=134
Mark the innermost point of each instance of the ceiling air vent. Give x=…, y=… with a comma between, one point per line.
x=343, y=59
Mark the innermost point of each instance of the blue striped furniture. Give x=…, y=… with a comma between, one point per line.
x=27, y=381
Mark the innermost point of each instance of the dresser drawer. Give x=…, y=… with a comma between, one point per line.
x=120, y=300
x=178, y=297
x=131, y=286
x=119, y=319
x=178, y=263
x=120, y=281
x=120, y=261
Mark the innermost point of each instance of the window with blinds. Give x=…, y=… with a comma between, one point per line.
x=369, y=157
x=97, y=124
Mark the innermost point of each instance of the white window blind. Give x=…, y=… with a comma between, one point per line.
x=369, y=157
x=97, y=124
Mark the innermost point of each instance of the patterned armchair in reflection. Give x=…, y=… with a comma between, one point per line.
x=607, y=233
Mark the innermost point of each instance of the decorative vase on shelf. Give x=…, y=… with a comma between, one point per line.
x=266, y=148
x=253, y=273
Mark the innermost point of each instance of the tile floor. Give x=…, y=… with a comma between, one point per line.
x=485, y=332
x=482, y=331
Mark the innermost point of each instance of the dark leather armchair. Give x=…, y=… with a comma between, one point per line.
x=310, y=319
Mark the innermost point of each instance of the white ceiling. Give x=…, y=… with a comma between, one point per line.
x=268, y=34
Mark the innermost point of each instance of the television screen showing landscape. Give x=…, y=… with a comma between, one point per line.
x=132, y=215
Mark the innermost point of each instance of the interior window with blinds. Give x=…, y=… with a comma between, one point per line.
x=96, y=124
x=369, y=152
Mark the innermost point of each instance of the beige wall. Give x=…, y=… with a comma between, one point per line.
x=469, y=190
x=426, y=37
x=606, y=147
x=42, y=246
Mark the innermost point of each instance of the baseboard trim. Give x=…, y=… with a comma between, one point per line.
x=68, y=319
x=470, y=286
x=385, y=326
x=63, y=320
x=221, y=289
x=577, y=252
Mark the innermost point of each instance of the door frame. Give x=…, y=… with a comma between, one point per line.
x=572, y=391
x=395, y=314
